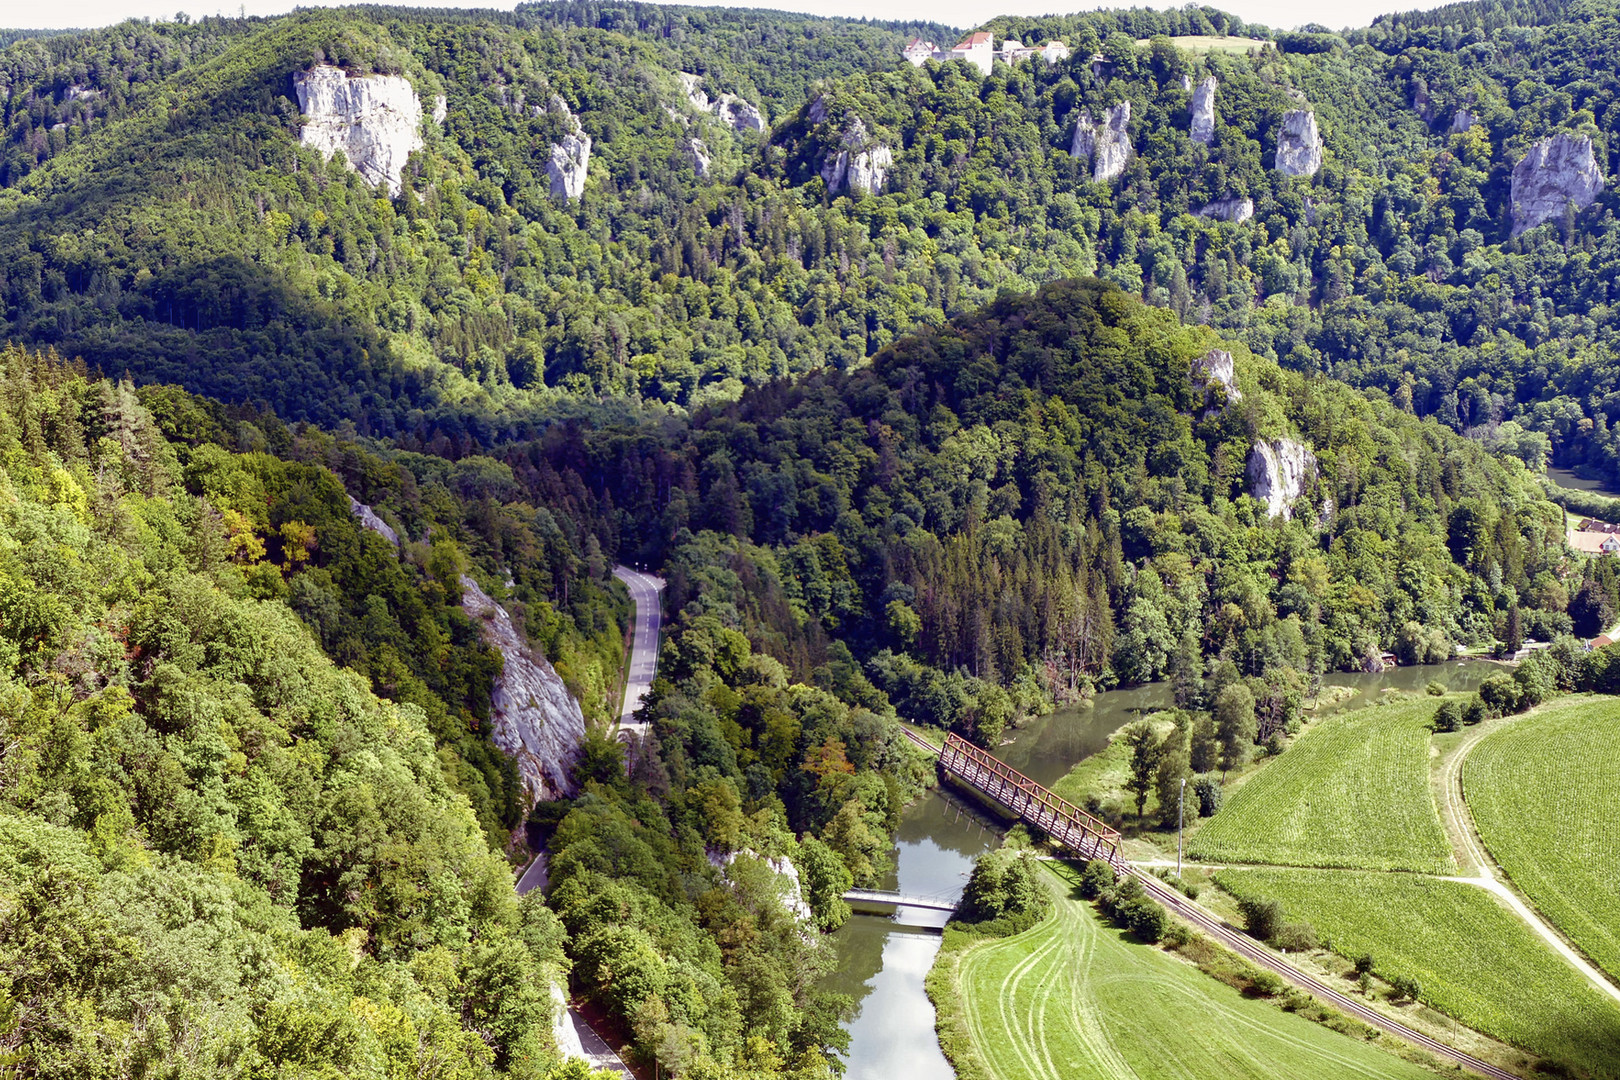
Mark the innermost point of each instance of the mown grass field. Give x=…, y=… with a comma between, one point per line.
x=1073, y=998
x=1473, y=958
x=1545, y=794
x=1353, y=791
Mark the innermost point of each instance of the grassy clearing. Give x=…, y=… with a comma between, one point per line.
x=1352, y=791
x=1545, y=795
x=1472, y=957
x=1075, y=998
x=1207, y=43
x=1099, y=780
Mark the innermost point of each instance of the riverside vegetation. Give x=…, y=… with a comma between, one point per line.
x=898, y=455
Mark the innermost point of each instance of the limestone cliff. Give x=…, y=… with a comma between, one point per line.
x=1084, y=143
x=1214, y=375
x=1299, y=144
x=1556, y=172
x=535, y=719
x=731, y=110
x=1203, y=111
x=376, y=120
x=570, y=155
x=859, y=165
x=1461, y=121
x=1277, y=473
x=1232, y=208
x=699, y=153
x=1113, y=143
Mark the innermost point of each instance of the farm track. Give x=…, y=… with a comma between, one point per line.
x=1461, y=821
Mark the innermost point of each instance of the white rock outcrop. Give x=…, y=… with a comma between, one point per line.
x=731, y=110
x=1232, y=208
x=1556, y=172
x=369, y=519
x=818, y=110
x=1299, y=144
x=376, y=120
x=1084, y=143
x=1461, y=121
x=570, y=156
x=1203, y=111
x=1277, y=473
x=441, y=109
x=1113, y=143
x=534, y=717
x=1215, y=369
x=860, y=165
x=699, y=153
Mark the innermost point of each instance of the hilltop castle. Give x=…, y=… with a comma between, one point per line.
x=979, y=50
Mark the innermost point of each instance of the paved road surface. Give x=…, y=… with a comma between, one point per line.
x=644, y=590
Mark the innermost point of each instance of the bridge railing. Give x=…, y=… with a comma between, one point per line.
x=1032, y=802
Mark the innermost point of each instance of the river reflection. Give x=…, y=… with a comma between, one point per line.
x=882, y=966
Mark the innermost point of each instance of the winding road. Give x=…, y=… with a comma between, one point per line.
x=644, y=590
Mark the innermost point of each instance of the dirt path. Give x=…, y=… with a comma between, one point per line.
x=1465, y=836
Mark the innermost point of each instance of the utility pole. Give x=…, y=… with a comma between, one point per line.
x=1181, y=803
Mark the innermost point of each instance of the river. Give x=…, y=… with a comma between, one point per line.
x=1566, y=478
x=882, y=965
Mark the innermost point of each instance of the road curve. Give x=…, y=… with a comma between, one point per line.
x=644, y=590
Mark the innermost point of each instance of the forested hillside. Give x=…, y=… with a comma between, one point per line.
x=477, y=304
x=223, y=855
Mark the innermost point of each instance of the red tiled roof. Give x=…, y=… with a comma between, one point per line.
x=981, y=38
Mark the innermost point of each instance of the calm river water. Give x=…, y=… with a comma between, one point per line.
x=882, y=966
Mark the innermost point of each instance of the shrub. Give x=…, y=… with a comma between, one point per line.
x=1501, y=694
x=1095, y=879
x=1406, y=987
x=1266, y=984
x=1448, y=717
x=1262, y=918
x=1003, y=886
x=1474, y=712
x=1436, y=688
x=1364, y=964
x=1296, y=937
x=1208, y=790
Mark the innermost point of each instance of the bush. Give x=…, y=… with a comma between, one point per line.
x=1095, y=879
x=1406, y=987
x=1263, y=919
x=1474, y=712
x=1448, y=717
x=1501, y=694
x=1296, y=937
x=1436, y=688
x=1003, y=886
x=1266, y=984
x=1364, y=964
x=1208, y=790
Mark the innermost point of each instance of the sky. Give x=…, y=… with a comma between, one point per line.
x=1278, y=14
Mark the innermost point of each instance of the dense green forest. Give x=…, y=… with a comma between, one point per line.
x=948, y=452
x=476, y=306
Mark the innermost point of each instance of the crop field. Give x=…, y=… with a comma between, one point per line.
x=1073, y=998
x=1353, y=791
x=1473, y=958
x=1545, y=794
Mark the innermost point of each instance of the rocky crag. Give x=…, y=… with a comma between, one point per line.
x=1106, y=146
x=1299, y=144
x=1277, y=473
x=534, y=717
x=1232, y=208
x=376, y=120
x=1203, y=111
x=1214, y=375
x=860, y=165
x=570, y=156
x=731, y=110
x=1556, y=172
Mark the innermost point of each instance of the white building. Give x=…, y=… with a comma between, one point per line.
x=979, y=50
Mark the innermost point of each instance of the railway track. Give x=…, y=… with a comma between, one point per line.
x=1240, y=942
